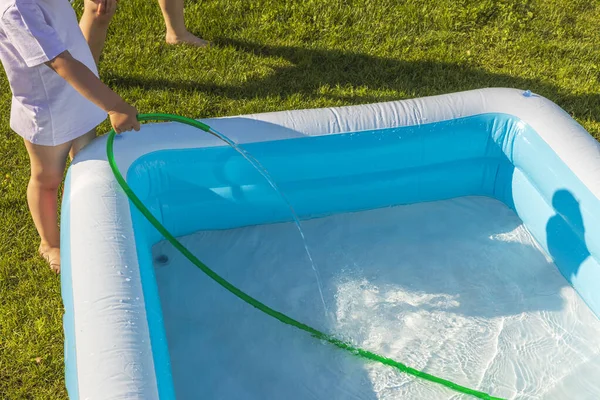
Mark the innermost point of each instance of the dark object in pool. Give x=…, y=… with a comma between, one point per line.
x=161, y=259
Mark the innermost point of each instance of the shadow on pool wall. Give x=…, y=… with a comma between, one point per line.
x=564, y=233
x=315, y=74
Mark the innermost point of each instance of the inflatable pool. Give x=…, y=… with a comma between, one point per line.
x=459, y=234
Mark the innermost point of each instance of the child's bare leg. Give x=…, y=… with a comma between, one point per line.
x=177, y=33
x=94, y=25
x=47, y=169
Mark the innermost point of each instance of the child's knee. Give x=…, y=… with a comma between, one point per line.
x=47, y=179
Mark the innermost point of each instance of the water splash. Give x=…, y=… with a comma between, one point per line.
x=265, y=174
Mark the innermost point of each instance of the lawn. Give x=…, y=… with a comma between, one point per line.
x=279, y=55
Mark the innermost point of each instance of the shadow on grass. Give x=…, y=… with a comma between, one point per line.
x=312, y=69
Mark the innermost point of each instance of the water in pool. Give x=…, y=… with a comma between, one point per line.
x=456, y=288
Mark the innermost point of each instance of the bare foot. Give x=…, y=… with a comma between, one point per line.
x=51, y=255
x=187, y=38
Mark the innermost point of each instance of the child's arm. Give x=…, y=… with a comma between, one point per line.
x=122, y=115
x=26, y=28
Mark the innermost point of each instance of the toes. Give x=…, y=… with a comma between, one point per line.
x=52, y=256
x=55, y=268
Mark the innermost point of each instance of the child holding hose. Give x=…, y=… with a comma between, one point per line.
x=58, y=100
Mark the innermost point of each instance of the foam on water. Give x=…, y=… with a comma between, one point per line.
x=456, y=288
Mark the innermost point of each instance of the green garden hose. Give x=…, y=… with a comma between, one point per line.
x=245, y=297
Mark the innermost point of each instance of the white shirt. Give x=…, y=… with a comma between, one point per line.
x=46, y=110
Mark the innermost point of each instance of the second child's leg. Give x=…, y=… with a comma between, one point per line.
x=177, y=32
x=96, y=18
x=94, y=25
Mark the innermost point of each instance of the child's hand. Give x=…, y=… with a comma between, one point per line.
x=123, y=117
x=105, y=7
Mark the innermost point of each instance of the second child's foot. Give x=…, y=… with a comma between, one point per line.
x=51, y=255
x=187, y=38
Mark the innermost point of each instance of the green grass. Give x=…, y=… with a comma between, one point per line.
x=278, y=55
